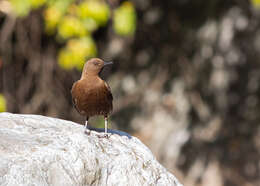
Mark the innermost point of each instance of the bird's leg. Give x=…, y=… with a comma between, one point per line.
x=87, y=131
x=105, y=117
x=86, y=123
x=102, y=135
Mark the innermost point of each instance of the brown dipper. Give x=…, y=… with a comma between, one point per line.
x=91, y=95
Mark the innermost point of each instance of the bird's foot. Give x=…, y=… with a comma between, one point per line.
x=104, y=135
x=87, y=131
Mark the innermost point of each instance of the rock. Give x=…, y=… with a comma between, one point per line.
x=38, y=150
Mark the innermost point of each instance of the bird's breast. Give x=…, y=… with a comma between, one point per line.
x=92, y=97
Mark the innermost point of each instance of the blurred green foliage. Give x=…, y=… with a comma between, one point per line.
x=71, y=27
x=100, y=122
x=73, y=22
x=76, y=51
x=95, y=10
x=256, y=3
x=21, y=7
x=2, y=103
x=125, y=19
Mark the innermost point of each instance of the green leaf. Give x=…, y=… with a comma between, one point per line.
x=256, y=3
x=52, y=17
x=125, y=19
x=2, y=103
x=61, y=5
x=90, y=24
x=21, y=7
x=37, y=3
x=71, y=26
x=66, y=59
x=94, y=9
x=76, y=52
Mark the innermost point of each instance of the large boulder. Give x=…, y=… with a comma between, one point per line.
x=38, y=150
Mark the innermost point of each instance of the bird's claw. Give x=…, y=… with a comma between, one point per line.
x=106, y=135
x=87, y=131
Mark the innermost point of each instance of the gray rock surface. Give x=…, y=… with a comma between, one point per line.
x=38, y=150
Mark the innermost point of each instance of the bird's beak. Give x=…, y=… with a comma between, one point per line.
x=108, y=63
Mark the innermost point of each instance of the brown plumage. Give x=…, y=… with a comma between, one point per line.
x=91, y=95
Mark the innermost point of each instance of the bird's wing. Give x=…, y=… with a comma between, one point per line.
x=74, y=99
x=110, y=96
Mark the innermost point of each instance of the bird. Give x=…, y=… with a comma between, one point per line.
x=91, y=95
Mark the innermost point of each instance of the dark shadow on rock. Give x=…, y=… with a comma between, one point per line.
x=111, y=131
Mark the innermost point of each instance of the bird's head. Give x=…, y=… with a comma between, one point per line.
x=94, y=66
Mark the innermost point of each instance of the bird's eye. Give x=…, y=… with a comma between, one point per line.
x=96, y=63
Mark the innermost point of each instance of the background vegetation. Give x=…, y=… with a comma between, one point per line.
x=185, y=77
